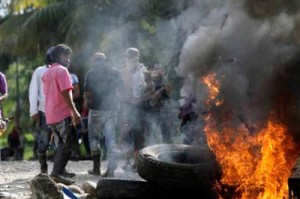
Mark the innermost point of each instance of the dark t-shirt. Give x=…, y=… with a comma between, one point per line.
x=103, y=83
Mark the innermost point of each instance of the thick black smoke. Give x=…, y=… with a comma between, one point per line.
x=253, y=57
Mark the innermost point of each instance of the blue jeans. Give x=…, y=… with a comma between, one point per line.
x=43, y=134
x=102, y=123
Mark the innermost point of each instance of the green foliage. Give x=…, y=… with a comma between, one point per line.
x=18, y=78
x=148, y=27
x=3, y=140
x=28, y=150
x=87, y=26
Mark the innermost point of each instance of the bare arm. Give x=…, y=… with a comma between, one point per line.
x=3, y=97
x=68, y=98
x=87, y=96
x=76, y=91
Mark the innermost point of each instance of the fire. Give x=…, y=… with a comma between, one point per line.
x=213, y=88
x=256, y=165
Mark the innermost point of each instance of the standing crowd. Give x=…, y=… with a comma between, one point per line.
x=122, y=109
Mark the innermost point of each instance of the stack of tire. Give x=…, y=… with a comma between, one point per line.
x=167, y=171
x=179, y=170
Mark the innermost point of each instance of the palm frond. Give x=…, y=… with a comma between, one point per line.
x=21, y=6
x=9, y=31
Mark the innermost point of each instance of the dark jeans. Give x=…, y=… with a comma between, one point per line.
x=65, y=142
x=135, y=117
x=157, y=121
x=43, y=134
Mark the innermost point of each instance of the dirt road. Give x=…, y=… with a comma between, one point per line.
x=15, y=176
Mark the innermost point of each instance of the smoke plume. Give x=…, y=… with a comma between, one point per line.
x=249, y=56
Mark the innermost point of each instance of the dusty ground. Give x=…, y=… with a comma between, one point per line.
x=15, y=176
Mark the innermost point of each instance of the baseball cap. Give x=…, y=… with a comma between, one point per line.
x=132, y=53
x=98, y=57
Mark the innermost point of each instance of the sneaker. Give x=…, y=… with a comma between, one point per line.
x=61, y=179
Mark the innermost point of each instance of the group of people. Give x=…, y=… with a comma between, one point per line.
x=123, y=100
x=122, y=108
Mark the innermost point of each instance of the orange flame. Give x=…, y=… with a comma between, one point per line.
x=256, y=165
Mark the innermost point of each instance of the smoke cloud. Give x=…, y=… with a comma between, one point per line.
x=247, y=54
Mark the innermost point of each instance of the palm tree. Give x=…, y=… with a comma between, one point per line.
x=33, y=25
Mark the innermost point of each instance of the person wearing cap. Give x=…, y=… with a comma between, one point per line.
x=37, y=111
x=139, y=88
x=61, y=113
x=101, y=88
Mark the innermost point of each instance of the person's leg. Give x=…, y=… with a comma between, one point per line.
x=43, y=139
x=22, y=153
x=138, y=136
x=59, y=163
x=94, y=126
x=110, y=140
x=86, y=143
x=129, y=115
x=85, y=136
x=75, y=155
x=72, y=143
x=163, y=125
x=18, y=151
x=63, y=130
x=149, y=127
x=35, y=146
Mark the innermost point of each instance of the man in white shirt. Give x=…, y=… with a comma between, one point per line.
x=37, y=111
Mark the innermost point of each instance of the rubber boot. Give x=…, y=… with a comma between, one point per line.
x=60, y=162
x=96, y=165
x=68, y=174
x=65, y=173
x=43, y=163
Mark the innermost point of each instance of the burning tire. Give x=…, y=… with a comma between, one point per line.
x=178, y=166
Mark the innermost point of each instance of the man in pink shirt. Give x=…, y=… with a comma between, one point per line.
x=61, y=113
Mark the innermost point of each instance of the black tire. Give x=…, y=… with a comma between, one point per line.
x=178, y=166
x=111, y=188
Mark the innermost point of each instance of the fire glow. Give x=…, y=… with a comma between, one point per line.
x=256, y=165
